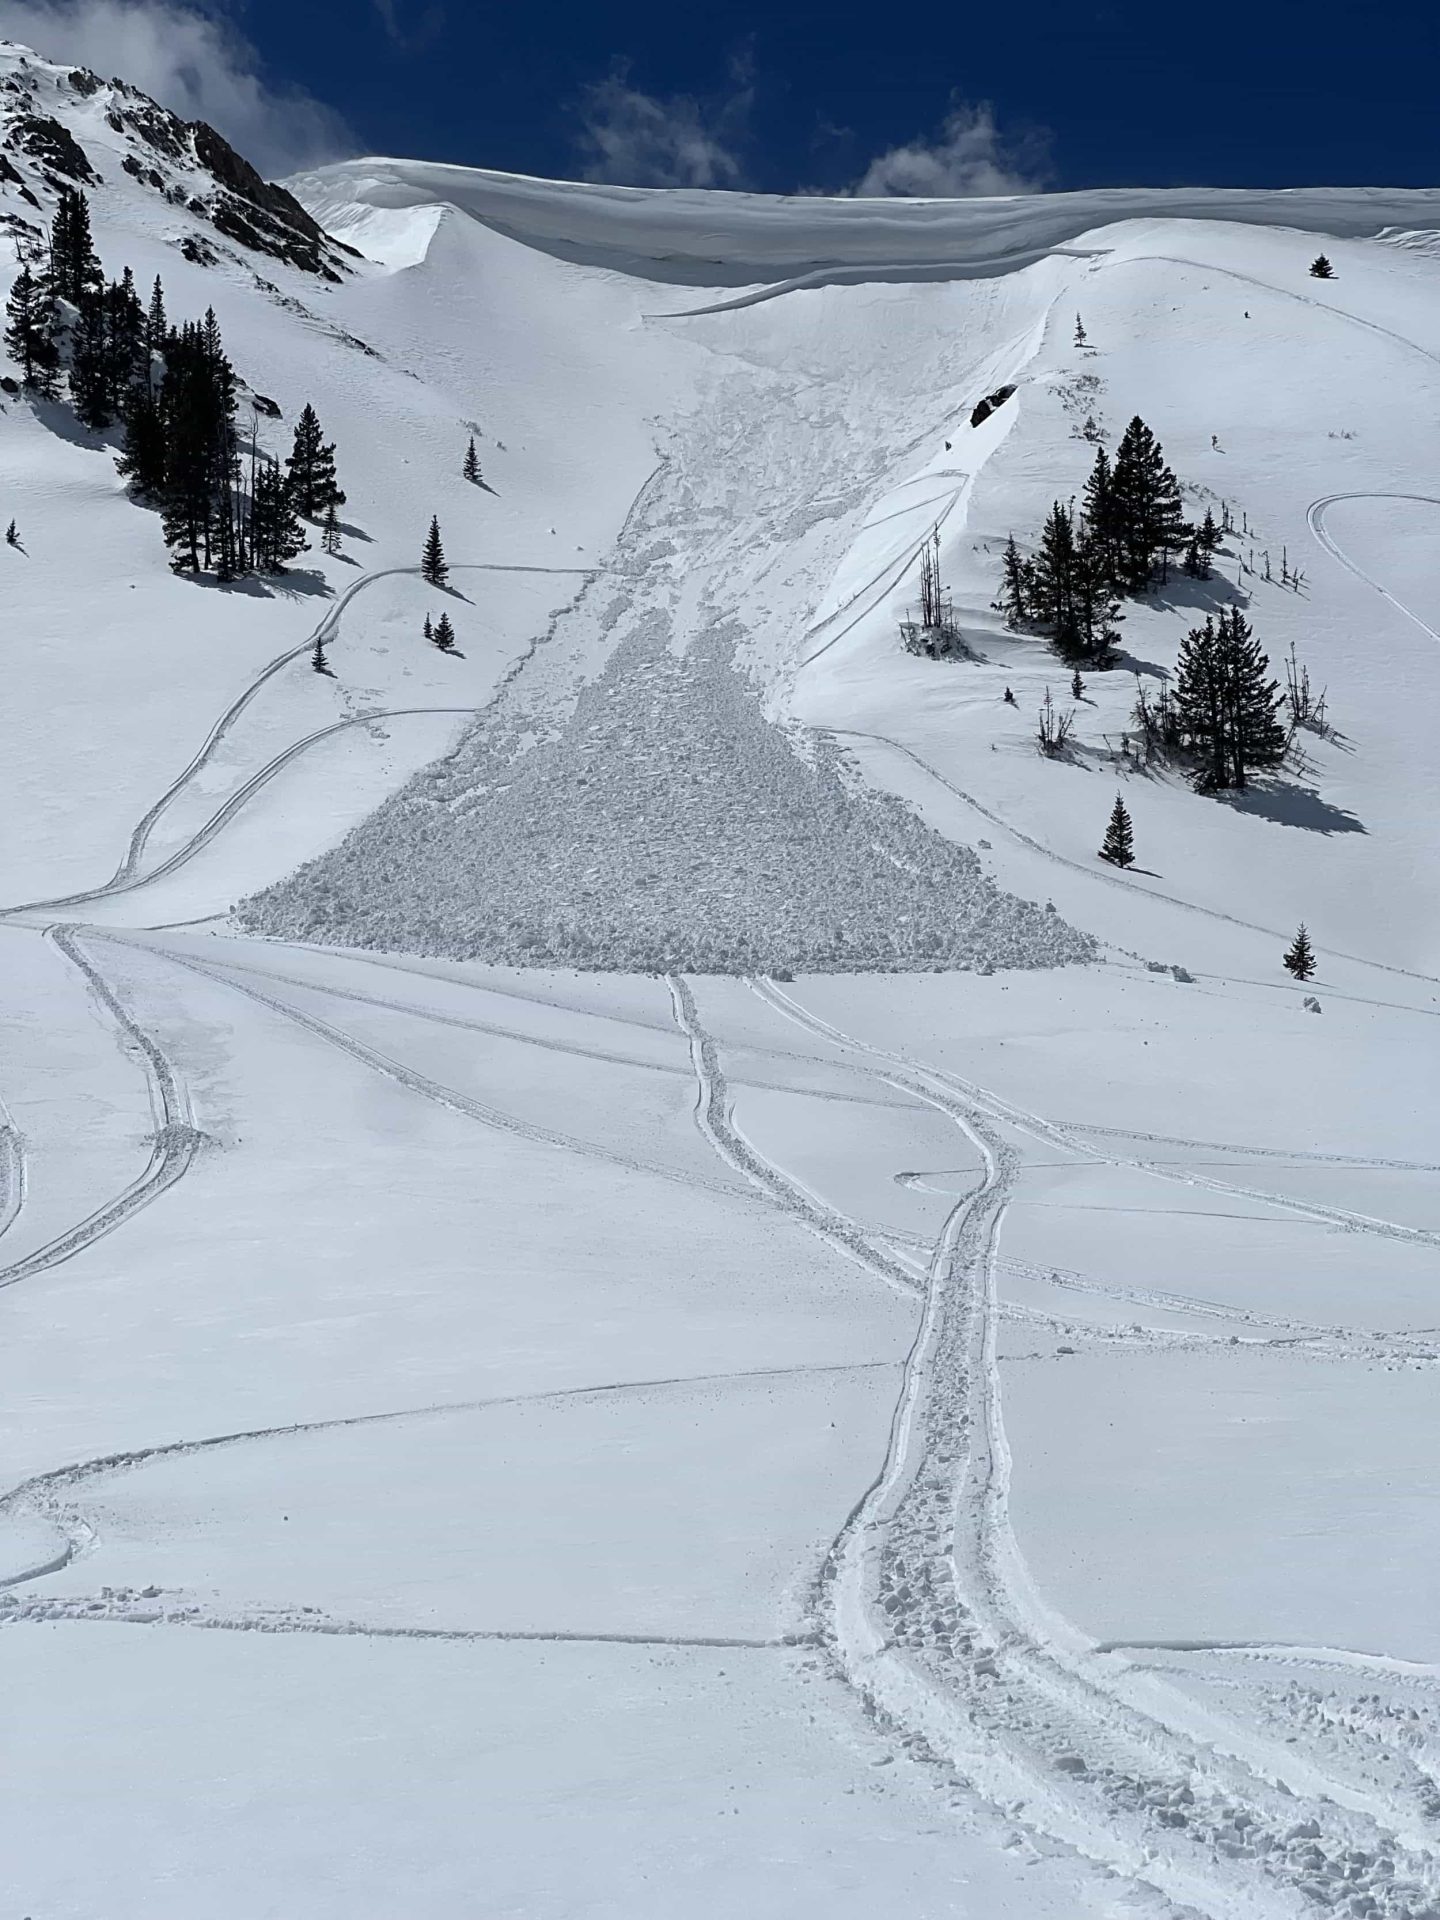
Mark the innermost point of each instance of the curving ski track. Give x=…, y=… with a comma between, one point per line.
x=127, y=876
x=1315, y=515
x=175, y=1142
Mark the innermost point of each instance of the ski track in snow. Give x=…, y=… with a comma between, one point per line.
x=928, y=1610
x=127, y=875
x=174, y=1144
x=419, y=1083
x=715, y=1121
x=1316, y=518
x=43, y=1494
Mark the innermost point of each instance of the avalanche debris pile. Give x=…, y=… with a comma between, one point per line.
x=664, y=825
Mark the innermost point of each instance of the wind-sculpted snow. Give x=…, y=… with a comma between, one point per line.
x=702, y=238
x=665, y=825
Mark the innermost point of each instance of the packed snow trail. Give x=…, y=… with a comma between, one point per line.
x=931, y=1615
x=174, y=1145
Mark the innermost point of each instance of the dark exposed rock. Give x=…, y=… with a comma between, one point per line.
x=53, y=146
x=262, y=403
x=9, y=385
x=216, y=153
x=198, y=250
x=83, y=81
x=987, y=406
x=151, y=176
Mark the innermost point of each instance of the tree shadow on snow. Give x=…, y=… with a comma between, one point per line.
x=56, y=416
x=1293, y=806
x=352, y=532
x=303, y=585
x=1181, y=594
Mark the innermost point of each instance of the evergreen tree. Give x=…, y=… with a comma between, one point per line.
x=444, y=634
x=1016, y=586
x=1081, y=337
x=428, y=629
x=1101, y=510
x=1149, y=517
x=29, y=333
x=312, y=468
x=1226, y=707
x=1096, y=606
x=90, y=367
x=197, y=406
x=127, y=357
x=1053, y=577
x=1119, y=844
x=74, y=267
x=1321, y=268
x=275, y=531
x=12, y=535
x=1077, y=686
x=330, y=538
x=1256, y=736
x=433, y=566
x=471, y=468
x=317, y=657
x=1300, y=958
x=143, y=460
x=156, y=327
x=1209, y=534
x=1197, y=559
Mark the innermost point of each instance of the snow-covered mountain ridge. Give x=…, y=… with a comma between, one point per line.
x=553, y=1438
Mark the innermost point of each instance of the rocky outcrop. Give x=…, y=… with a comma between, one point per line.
x=53, y=147
x=984, y=408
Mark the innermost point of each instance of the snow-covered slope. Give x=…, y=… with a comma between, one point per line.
x=498, y=1439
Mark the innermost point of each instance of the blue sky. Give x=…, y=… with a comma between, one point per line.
x=942, y=97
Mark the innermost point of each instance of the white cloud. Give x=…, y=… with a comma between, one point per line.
x=637, y=139
x=197, y=63
x=969, y=158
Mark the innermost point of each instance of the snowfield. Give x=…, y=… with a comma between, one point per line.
x=632, y=1284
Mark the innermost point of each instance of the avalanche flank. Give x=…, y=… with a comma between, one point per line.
x=634, y=1284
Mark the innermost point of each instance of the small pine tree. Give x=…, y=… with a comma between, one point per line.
x=1321, y=269
x=1197, y=560
x=1300, y=959
x=1081, y=337
x=471, y=468
x=330, y=537
x=317, y=658
x=429, y=628
x=1077, y=686
x=433, y=566
x=1119, y=843
x=156, y=325
x=1016, y=587
x=12, y=535
x=444, y=634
